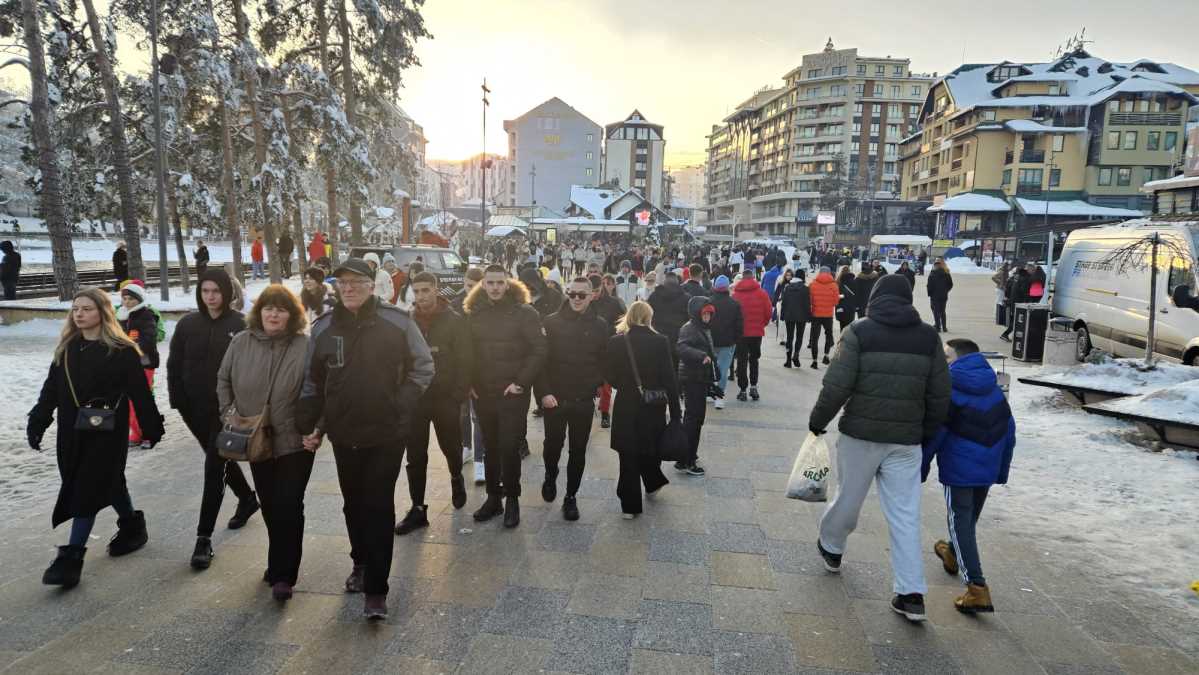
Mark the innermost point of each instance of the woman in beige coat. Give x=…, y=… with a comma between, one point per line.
x=265, y=364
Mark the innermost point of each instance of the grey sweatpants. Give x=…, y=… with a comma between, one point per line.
x=896, y=469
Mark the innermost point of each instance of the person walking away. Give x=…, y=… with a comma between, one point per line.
x=382, y=278
x=770, y=277
x=367, y=366
x=777, y=296
x=445, y=332
x=847, y=303
x=120, y=263
x=628, y=286
x=509, y=352
x=973, y=449
x=1000, y=279
x=10, y=270
x=263, y=369
x=140, y=323
x=825, y=294
x=1036, y=283
x=286, y=245
x=755, y=315
x=890, y=375
x=736, y=259
x=96, y=367
x=905, y=270
x=316, y=248
x=938, y=286
x=575, y=342
x=697, y=362
x=796, y=312
x=863, y=284
x=1016, y=293
x=201, y=258
x=725, y=327
x=197, y=348
x=257, y=257
x=639, y=424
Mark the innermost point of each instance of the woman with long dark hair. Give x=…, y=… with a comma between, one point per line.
x=96, y=370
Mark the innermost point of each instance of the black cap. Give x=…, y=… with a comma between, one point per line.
x=355, y=266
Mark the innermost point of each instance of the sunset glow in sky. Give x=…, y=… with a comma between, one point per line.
x=685, y=63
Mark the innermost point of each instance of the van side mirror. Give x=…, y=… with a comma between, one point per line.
x=1182, y=297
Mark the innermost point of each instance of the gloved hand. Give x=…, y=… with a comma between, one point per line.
x=34, y=436
x=818, y=432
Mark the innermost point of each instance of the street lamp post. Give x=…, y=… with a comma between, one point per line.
x=483, y=163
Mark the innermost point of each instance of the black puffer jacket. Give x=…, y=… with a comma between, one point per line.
x=862, y=285
x=453, y=358
x=609, y=308
x=797, y=302
x=695, y=345
x=507, y=339
x=142, y=326
x=197, y=348
x=848, y=304
x=366, y=373
x=670, y=310
x=544, y=298
x=574, y=364
x=939, y=284
x=726, y=325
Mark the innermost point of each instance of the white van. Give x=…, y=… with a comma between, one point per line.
x=1110, y=308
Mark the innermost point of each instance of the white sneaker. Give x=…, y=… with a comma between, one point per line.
x=720, y=404
x=711, y=400
x=468, y=455
x=480, y=474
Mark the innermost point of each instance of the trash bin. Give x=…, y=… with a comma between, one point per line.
x=1028, y=330
x=1060, y=342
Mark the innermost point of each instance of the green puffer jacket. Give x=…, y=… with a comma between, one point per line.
x=889, y=372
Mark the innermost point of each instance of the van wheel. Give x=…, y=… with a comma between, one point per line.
x=1082, y=343
x=1191, y=358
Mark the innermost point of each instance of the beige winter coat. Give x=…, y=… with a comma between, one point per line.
x=243, y=380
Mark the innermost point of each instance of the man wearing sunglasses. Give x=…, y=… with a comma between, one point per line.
x=577, y=339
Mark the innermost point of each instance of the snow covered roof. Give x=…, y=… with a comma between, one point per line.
x=1171, y=183
x=384, y=212
x=1072, y=207
x=594, y=200
x=973, y=202
x=901, y=239
x=1031, y=127
x=1087, y=81
x=506, y=220
x=438, y=219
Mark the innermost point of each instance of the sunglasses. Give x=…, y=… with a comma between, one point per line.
x=575, y=295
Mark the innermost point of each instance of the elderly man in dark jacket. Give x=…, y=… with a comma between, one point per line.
x=576, y=342
x=509, y=353
x=890, y=374
x=368, y=365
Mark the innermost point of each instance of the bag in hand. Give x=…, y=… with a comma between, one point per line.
x=809, y=474
x=672, y=444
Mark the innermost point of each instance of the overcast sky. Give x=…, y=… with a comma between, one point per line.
x=684, y=63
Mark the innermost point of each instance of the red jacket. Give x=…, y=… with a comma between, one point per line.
x=755, y=307
x=316, y=249
x=256, y=250
x=825, y=294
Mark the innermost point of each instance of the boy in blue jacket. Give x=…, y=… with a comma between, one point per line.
x=974, y=451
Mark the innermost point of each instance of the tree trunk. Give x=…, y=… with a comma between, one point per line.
x=331, y=224
x=120, y=150
x=291, y=208
x=62, y=253
x=173, y=212
x=351, y=104
x=230, y=210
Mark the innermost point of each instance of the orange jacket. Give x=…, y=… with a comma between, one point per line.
x=256, y=252
x=825, y=295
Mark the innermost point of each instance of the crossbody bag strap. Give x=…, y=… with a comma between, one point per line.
x=628, y=345
x=272, y=373
x=66, y=366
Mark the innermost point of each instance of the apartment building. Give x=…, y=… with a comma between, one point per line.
x=551, y=147
x=499, y=179
x=1005, y=144
x=687, y=185
x=633, y=153
x=833, y=127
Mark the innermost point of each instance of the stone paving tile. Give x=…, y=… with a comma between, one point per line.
x=589, y=644
x=236, y=657
x=677, y=627
x=679, y=583
x=622, y=558
x=473, y=584
x=410, y=665
x=915, y=660
x=606, y=595
x=744, y=610
x=884, y=627
x=817, y=594
x=741, y=569
x=1112, y=622
x=189, y=639
x=867, y=581
x=342, y=647
x=787, y=527
x=504, y=654
x=1075, y=669
x=567, y=537
x=729, y=488
x=651, y=662
x=679, y=547
x=549, y=569
x=938, y=605
x=737, y=538
x=594, y=488
x=750, y=654
x=527, y=612
x=681, y=518
x=988, y=653
x=1137, y=659
x=1051, y=640
x=830, y=642
x=729, y=510
x=795, y=557
x=434, y=631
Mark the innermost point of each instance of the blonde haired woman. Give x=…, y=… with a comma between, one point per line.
x=96, y=367
x=637, y=426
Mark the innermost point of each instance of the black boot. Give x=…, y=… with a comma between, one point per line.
x=512, y=512
x=202, y=555
x=549, y=488
x=787, y=363
x=417, y=518
x=66, y=568
x=490, y=509
x=131, y=535
x=245, y=508
x=458, y=491
x=570, y=508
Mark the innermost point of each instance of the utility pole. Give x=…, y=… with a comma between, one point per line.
x=533, y=175
x=160, y=188
x=483, y=163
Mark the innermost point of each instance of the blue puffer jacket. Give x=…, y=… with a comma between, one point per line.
x=974, y=446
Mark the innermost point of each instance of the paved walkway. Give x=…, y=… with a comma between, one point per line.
x=719, y=575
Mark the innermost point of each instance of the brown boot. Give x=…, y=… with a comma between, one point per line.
x=975, y=599
x=948, y=560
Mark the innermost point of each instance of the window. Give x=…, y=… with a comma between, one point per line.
x=897, y=71
x=1105, y=176
x=589, y=171
x=874, y=129
x=1059, y=142
x=892, y=149
x=857, y=108
x=1149, y=174
x=872, y=149
x=1130, y=140
x=1124, y=176
x=642, y=133
x=913, y=111
x=1126, y=105
x=639, y=166
x=859, y=89
x=1031, y=177
x=1171, y=140
x=639, y=182
x=892, y=130
x=1153, y=140
x=888, y=167
x=880, y=69
x=861, y=69
x=590, y=155
x=857, y=127
x=837, y=70
x=878, y=90
x=837, y=90
x=855, y=147
x=1055, y=177
x=1007, y=177
x=1113, y=105
x=590, y=138
x=1143, y=106
x=896, y=91
x=813, y=92
x=1054, y=89
x=815, y=72
x=875, y=109
x=893, y=110
x=1113, y=140
x=915, y=90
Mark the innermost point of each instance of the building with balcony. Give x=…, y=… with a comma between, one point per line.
x=550, y=148
x=633, y=154
x=1003, y=145
x=831, y=133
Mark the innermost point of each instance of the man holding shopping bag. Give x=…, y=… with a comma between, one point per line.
x=890, y=374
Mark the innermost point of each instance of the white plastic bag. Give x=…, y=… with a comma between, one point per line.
x=809, y=475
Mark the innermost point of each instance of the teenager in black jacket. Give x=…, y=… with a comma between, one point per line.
x=197, y=348
x=938, y=286
x=796, y=312
x=576, y=340
x=669, y=302
x=697, y=372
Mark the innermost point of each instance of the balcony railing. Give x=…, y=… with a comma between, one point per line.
x=955, y=165
x=1032, y=156
x=1028, y=188
x=1155, y=119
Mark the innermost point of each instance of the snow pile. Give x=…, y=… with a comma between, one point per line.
x=1121, y=376
x=179, y=302
x=961, y=265
x=36, y=250
x=1178, y=403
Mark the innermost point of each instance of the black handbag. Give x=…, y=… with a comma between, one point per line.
x=673, y=445
x=653, y=397
x=97, y=415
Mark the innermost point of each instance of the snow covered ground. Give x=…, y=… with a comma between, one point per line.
x=1179, y=403
x=1125, y=376
x=36, y=250
x=179, y=301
